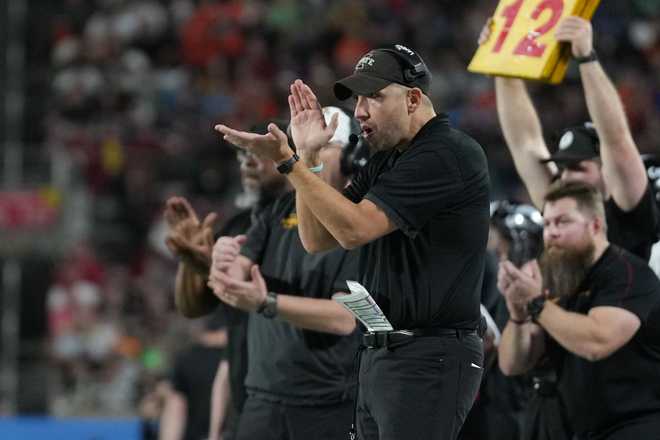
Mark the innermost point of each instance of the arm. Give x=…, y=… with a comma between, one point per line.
x=321, y=315
x=173, y=419
x=521, y=346
x=523, y=135
x=623, y=169
x=316, y=314
x=522, y=343
x=313, y=234
x=191, y=296
x=351, y=224
x=594, y=336
x=191, y=242
x=220, y=397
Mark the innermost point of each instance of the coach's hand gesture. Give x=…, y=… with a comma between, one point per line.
x=273, y=145
x=309, y=131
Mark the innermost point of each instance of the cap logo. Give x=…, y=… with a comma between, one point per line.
x=402, y=48
x=566, y=140
x=365, y=61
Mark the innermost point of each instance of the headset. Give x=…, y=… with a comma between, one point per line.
x=414, y=68
x=356, y=153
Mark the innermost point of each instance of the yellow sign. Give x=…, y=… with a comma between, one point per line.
x=522, y=42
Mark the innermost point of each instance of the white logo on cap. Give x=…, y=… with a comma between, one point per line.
x=403, y=48
x=365, y=61
x=566, y=140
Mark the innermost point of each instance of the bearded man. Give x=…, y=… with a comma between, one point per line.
x=589, y=304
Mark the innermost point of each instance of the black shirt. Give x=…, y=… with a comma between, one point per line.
x=626, y=384
x=429, y=271
x=636, y=230
x=288, y=364
x=193, y=374
x=237, y=321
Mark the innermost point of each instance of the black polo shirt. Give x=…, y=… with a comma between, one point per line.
x=237, y=320
x=625, y=385
x=636, y=230
x=285, y=363
x=429, y=271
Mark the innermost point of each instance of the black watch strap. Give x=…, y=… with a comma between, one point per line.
x=587, y=59
x=269, y=307
x=535, y=307
x=286, y=166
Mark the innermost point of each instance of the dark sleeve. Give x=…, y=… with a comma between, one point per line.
x=178, y=376
x=347, y=271
x=257, y=236
x=359, y=185
x=628, y=285
x=640, y=227
x=421, y=183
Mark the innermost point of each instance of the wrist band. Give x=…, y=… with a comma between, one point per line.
x=587, y=59
x=520, y=321
x=317, y=169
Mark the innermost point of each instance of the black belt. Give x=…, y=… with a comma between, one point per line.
x=384, y=339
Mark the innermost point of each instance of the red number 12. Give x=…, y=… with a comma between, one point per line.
x=529, y=46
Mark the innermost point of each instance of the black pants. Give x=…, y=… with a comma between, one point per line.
x=263, y=420
x=421, y=389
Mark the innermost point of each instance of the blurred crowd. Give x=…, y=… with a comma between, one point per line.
x=135, y=87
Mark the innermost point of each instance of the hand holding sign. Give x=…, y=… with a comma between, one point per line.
x=522, y=41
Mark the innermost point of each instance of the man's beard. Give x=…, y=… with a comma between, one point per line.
x=564, y=270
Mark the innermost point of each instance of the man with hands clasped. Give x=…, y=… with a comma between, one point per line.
x=588, y=304
x=301, y=343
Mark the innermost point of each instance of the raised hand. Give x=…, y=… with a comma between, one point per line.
x=308, y=127
x=486, y=32
x=578, y=32
x=273, y=145
x=187, y=238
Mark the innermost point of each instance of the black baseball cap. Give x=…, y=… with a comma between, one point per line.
x=575, y=145
x=381, y=67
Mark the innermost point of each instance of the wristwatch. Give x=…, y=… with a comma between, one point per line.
x=535, y=307
x=286, y=166
x=588, y=58
x=269, y=307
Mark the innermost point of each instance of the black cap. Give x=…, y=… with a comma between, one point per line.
x=575, y=145
x=381, y=67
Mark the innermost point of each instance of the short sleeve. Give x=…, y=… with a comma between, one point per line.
x=257, y=236
x=178, y=377
x=422, y=182
x=360, y=182
x=639, y=228
x=627, y=286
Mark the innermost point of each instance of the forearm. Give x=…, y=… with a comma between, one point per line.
x=313, y=235
x=322, y=315
x=515, y=349
x=336, y=213
x=523, y=134
x=173, y=418
x=520, y=122
x=219, y=400
x=605, y=106
x=191, y=296
x=575, y=332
